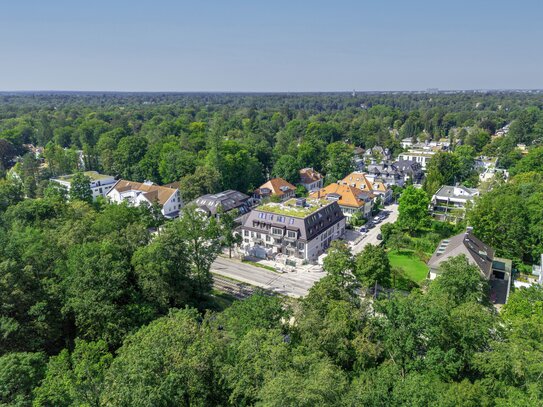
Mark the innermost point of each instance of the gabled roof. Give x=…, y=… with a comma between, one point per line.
x=345, y=195
x=309, y=175
x=152, y=192
x=477, y=253
x=360, y=181
x=277, y=186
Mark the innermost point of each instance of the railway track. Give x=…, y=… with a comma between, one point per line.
x=238, y=290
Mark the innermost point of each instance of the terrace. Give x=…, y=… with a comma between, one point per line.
x=293, y=208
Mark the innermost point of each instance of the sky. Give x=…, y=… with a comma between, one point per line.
x=273, y=45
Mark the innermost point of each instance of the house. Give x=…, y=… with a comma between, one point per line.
x=214, y=204
x=100, y=184
x=494, y=269
x=483, y=163
x=359, y=158
x=351, y=200
x=276, y=187
x=299, y=228
x=410, y=171
x=407, y=142
x=376, y=189
x=421, y=156
x=311, y=179
x=449, y=202
x=147, y=193
x=377, y=154
x=385, y=172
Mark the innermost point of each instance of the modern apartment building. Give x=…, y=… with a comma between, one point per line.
x=449, y=202
x=300, y=228
x=100, y=184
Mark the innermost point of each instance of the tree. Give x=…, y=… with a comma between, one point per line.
x=201, y=235
x=205, y=180
x=7, y=153
x=460, y=281
x=80, y=188
x=20, y=373
x=175, y=163
x=286, y=167
x=443, y=169
x=413, y=209
x=466, y=163
x=372, y=266
x=340, y=160
x=75, y=378
x=188, y=349
x=228, y=225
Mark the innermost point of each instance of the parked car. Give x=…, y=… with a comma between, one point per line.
x=363, y=229
x=377, y=219
x=379, y=237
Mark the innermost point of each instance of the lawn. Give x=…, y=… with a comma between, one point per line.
x=413, y=268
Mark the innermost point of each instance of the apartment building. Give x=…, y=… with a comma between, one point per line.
x=100, y=184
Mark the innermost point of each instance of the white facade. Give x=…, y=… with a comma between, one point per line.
x=100, y=184
x=146, y=194
x=420, y=156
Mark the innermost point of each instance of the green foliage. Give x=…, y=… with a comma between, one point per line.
x=413, y=209
x=443, y=169
x=20, y=373
x=75, y=379
x=340, y=160
x=372, y=266
x=286, y=167
x=80, y=187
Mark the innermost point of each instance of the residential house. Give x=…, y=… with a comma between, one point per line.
x=377, y=154
x=276, y=187
x=359, y=158
x=299, y=228
x=351, y=200
x=478, y=253
x=410, y=171
x=215, y=204
x=385, y=172
x=100, y=184
x=311, y=179
x=147, y=193
x=376, y=189
x=449, y=202
x=494, y=269
x=421, y=156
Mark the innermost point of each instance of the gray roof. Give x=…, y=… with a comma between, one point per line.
x=226, y=200
x=408, y=166
x=478, y=253
x=308, y=227
x=447, y=191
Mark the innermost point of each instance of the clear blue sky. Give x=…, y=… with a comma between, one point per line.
x=272, y=45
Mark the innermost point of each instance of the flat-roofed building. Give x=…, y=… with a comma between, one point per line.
x=100, y=184
x=225, y=201
x=300, y=228
x=449, y=203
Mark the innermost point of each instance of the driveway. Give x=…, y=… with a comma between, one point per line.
x=371, y=235
x=294, y=284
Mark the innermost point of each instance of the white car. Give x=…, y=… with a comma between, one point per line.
x=377, y=219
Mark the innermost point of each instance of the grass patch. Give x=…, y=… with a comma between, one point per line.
x=412, y=267
x=218, y=301
x=262, y=266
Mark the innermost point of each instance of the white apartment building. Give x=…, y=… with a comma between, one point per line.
x=299, y=228
x=100, y=184
x=422, y=156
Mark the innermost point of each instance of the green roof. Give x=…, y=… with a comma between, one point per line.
x=289, y=208
x=93, y=175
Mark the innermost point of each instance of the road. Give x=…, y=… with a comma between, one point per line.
x=294, y=284
x=371, y=236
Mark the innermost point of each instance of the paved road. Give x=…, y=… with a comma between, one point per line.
x=294, y=284
x=371, y=236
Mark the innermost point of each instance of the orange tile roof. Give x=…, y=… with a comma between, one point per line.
x=357, y=180
x=349, y=196
x=275, y=184
x=309, y=175
x=154, y=193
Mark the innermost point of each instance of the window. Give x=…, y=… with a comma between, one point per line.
x=280, y=219
x=268, y=238
x=291, y=221
x=291, y=233
x=277, y=231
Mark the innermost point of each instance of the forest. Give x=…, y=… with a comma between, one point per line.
x=97, y=308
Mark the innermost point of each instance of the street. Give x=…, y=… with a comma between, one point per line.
x=294, y=284
x=371, y=235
